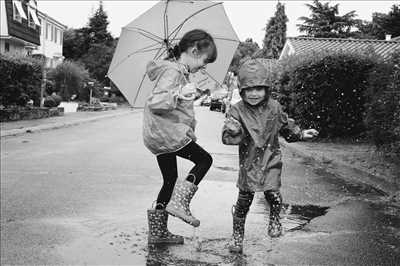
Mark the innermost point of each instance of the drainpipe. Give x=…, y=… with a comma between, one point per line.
x=44, y=74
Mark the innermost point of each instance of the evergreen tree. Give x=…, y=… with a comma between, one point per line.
x=325, y=21
x=92, y=45
x=97, y=27
x=275, y=33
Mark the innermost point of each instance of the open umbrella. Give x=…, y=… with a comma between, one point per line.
x=150, y=35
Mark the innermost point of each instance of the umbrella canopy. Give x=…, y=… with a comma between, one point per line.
x=149, y=36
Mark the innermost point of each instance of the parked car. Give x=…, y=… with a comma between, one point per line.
x=218, y=100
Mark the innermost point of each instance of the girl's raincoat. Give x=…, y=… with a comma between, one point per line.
x=168, y=121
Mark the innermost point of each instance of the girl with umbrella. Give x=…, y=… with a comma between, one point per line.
x=168, y=130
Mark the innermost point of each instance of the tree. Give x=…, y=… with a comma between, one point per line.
x=325, y=21
x=381, y=25
x=68, y=78
x=97, y=28
x=98, y=59
x=275, y=33
x=246, y=49
x=75, y=43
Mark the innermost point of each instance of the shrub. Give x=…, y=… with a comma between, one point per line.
x=383, y=105
x=325, y=91
x=20, y=80
x=68, y=78
x=52, y=101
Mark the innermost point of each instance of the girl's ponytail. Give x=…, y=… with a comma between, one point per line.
x=174, y=52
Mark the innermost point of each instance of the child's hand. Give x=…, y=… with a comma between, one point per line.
x=188, y=92
x=233, y=126
x=309, y=133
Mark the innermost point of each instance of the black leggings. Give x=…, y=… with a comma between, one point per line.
x=245, y=199
x=169, y=170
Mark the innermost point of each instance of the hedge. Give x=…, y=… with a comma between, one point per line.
x=20, y=80
x=326, y=91
x=383, y=105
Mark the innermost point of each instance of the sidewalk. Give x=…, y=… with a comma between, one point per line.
x=358, y=162
x=68, y=119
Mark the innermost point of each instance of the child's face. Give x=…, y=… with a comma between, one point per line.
x=197, y=60
x=254, y=95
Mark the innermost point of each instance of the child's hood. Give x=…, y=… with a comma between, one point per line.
x=156, y=67
x=252, y=73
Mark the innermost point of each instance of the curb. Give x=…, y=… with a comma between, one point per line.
x=342, y=168
x=21, y=131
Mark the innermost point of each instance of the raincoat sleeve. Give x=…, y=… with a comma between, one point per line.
x=288, y=129
x=227, y=137
x=164, y=97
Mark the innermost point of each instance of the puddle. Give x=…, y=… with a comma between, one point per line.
x=295, y=217
x=226, y=168
x=353, y=188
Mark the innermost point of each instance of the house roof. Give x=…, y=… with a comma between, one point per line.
x=299, y=45
x=396, y=39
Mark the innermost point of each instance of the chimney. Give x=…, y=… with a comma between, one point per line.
x=388, y=37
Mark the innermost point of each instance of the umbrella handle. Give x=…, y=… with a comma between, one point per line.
x=189, y=98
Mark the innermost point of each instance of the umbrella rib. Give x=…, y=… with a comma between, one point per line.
x=215, y=38
x=138, y=90
x=208, y=74
x=177, y=29
x=149, y=35
x=142, y=50
x=166, y=22
x=158, y=55
x=144, y=76
x=225, y=39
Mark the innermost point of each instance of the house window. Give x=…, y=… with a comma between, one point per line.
x=55, y=34
x=31, y=22
x=52, y=33
x=61, y=37
x=48, y=31
x=7, y=47
x=18, y=12
x=33, y=19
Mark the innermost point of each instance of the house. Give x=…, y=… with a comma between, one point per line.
x=301, y=45
x=24, y=30
x=19, y=27
x=51, y=40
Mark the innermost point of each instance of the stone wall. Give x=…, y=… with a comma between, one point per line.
x=21, y=113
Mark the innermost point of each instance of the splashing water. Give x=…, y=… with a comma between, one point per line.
x=196, y=240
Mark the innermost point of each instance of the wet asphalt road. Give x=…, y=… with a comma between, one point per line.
x=79, y=195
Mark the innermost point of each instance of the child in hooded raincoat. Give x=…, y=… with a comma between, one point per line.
x=255, y=124
x=168, y=131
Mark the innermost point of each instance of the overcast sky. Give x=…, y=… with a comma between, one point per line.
x=247, y=17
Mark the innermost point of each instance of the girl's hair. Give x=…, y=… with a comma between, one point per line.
x=195, y=38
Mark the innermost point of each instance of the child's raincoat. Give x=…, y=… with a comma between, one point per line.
x=260, y=158
x=168, y=122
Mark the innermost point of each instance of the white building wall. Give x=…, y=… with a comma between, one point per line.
x=3, y=19
x=51, y=40
x=14, y=48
